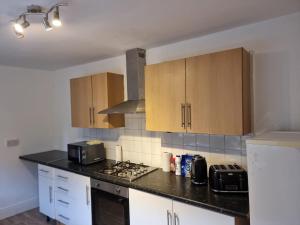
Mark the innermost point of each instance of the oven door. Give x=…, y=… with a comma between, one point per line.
x=109, y=209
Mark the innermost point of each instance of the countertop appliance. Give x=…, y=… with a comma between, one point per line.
x=228, y=178
x=127, y=170
x=86, y=154
x=110, y=203
x=199, y=170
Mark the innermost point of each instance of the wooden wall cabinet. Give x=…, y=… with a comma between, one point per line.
x=91, y=94
x=212, y=95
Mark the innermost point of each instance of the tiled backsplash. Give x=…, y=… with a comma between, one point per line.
x=141, y=146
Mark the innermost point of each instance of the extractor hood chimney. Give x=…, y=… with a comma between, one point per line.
x=135, y=63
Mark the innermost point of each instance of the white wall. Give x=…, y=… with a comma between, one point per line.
x=25, y=99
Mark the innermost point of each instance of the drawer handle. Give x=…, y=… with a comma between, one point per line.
x=64, y=217
x=64, y=202
x=50, y=194
x=63, y=189
x=87, y=192
x=169, y=217
x=176, y=219
x=62, y=177
x=44, y=171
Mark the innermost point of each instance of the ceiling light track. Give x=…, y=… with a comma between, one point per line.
x=21, y=22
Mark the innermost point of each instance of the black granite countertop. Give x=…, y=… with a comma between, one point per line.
x=158, y=182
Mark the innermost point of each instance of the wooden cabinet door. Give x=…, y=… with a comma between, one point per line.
x=198, y=71
x=149, y=209
x=81, y=102
x=164, y=95
x=108, y=90
x=226, y=99
x=191, y=215
x=100, y=100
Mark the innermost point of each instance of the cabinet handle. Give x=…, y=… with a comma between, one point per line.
x=176, y=219
x=62, y=177
x=45, y=171
x=183, y=115
x=64, y=217
x=50, y=194
x=63, y=202
x=63, y=189
x=93, y=115
x=169, y=217
x=189, y=115
x=90, y=110
x=87, y=192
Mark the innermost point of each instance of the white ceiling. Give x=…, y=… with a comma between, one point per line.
x=97, y=29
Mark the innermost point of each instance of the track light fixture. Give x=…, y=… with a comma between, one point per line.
x=21, y=23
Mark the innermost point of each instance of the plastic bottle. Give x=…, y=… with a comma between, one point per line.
x=178, y=165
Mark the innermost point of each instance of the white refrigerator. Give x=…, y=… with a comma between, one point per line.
x=274, y=178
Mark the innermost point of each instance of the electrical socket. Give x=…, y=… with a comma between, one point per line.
x=12, y=142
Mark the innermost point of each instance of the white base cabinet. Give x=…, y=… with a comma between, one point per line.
x=46, y=190
x=149, y=209
x=72, y=198
x=65, y=196
x=185, y=214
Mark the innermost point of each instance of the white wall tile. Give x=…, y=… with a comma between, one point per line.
x=156, y=160
x=146, y=147
x=233, y=157
x=155, y=148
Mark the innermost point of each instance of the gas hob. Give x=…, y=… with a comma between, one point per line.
x=127, y=170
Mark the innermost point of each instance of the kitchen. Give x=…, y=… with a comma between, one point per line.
x=39, y=84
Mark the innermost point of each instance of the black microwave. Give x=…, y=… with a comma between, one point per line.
x=86, y=154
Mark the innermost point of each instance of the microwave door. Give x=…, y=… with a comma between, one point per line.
x=74, y=154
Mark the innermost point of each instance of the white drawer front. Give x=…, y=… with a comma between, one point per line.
x=46, y=171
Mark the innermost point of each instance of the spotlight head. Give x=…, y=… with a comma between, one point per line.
x=46, y=23
x=56, y=20
x=18, y=28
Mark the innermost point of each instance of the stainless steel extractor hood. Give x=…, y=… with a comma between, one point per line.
x=135, y=63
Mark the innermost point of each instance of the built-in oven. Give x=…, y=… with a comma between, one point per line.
x=110, y=203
